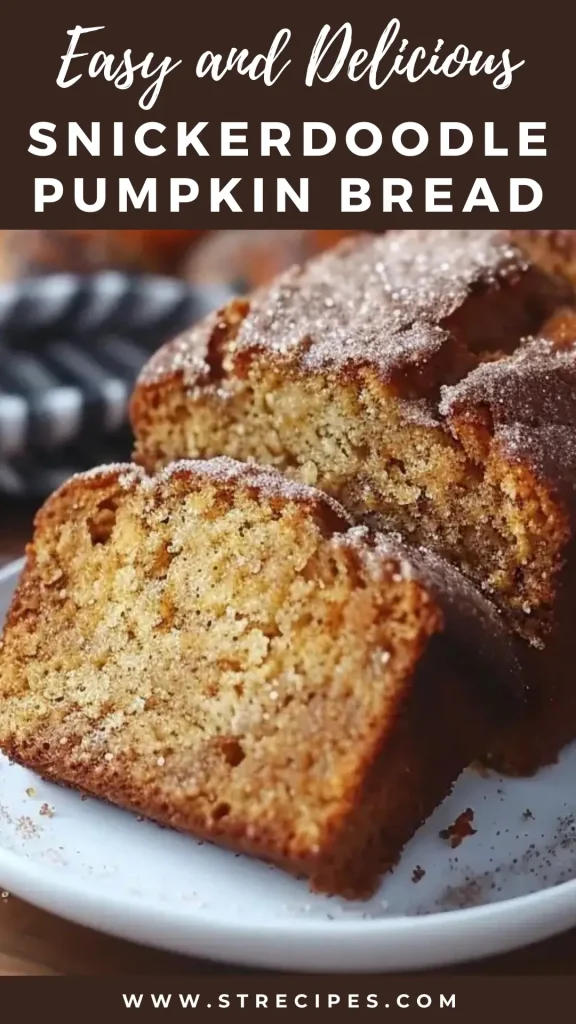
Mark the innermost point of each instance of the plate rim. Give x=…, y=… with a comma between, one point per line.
x=504, y=925
x=385, y=944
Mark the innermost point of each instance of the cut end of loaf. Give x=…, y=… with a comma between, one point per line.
x=339, y=376
x=216, y=648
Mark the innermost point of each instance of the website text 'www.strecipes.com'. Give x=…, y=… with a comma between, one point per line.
x=283, y=1000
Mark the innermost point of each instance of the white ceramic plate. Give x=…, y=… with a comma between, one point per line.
x=504, y=886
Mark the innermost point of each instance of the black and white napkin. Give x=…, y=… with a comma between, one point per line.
x=70, y=350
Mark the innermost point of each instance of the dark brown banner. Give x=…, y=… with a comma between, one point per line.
x=287, y=997
x=323, y=114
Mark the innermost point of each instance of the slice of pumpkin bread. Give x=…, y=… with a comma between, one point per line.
x=218, y=649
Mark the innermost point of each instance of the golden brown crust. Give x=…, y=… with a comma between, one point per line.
x=399, y=303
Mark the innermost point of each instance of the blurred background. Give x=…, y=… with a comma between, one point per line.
x=80, y=313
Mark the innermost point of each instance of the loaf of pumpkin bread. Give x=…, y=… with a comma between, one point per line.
x=337, y=374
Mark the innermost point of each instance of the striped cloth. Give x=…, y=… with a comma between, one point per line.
x=70, y=350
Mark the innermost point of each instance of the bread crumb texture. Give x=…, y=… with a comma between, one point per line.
x=218, y=649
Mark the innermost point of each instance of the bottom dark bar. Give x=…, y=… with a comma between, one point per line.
x=475, y=998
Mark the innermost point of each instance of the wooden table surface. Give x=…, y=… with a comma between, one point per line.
x=33, y=942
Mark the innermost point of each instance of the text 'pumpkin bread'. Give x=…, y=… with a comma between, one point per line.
x=339, y=374
x=218, y=649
